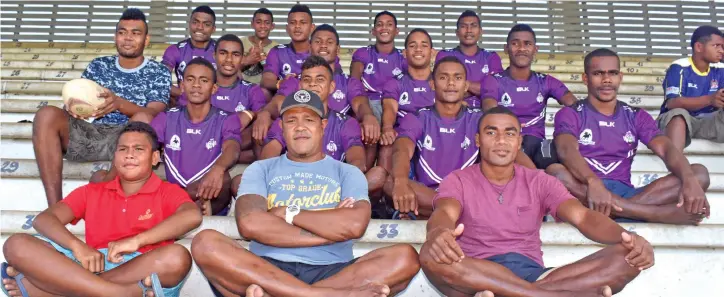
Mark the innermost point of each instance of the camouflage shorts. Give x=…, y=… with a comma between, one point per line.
x=91, y=143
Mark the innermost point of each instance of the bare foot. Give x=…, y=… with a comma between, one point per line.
x=254, y=291
x=485, y=294
x=604, y=291
x=670, y=214
x=9, y=283
x=370, y=290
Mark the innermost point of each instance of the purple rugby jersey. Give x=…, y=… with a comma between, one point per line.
x=177, y=55
x=527, y=99
x=346, y=89
x=283, y=60
x=481, y=64
x=342, y=133
x=191, y=149
x=443, y=145
x=411, y=95
x=379, y=68
x=239, y=97
x=608, y=143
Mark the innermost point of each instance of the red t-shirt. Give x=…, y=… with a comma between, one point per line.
x=492, y=228
x=109, y=215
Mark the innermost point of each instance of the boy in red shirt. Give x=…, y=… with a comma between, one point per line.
x=131, y=223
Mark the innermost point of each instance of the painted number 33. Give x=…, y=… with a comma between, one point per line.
x=388, y=231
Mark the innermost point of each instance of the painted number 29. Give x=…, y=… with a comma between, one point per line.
x=388, y=231
x=9, y=166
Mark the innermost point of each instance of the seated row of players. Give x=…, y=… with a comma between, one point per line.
x=425, y=138
x=306, y=249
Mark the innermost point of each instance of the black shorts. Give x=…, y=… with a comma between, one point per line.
x=307, y=273
x=541, y=151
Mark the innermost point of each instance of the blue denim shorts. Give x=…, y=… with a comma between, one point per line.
x=625, y=191
x=520, y=265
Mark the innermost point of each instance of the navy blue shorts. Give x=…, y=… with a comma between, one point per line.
x=309, y=273
x=520, y=265
x=625, y=191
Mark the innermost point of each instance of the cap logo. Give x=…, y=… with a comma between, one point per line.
x=302, y=96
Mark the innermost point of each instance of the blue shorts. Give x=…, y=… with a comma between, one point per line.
x=625, y=191
x=168, y=292
x=522, y=266
x=308, y=273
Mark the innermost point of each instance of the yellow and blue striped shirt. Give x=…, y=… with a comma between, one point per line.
x=684, y=80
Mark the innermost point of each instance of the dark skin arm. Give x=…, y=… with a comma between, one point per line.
x=186, y=218
x=403, y=196
x=265, y=117
x=389, y=118
x=474, y=88
x=599, y=198
x=213, y=180
x=355, y=156
x=245, y=119
x=113, y=102
x=51, y=224
x=271, y=150
x=368, y=121
x=255, y=223
x=696, y=103
x=442, y=232
x=599, y=228
x=326, y=223
x=269, y=81
x=568, y=99
x=488, y=103
x=356, y=69
x=692, y=196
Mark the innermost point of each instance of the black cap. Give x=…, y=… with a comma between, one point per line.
x=704, y=31
x=303, y=98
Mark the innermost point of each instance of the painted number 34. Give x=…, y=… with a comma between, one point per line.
x=388, y=231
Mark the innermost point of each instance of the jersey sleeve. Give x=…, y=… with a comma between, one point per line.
x=566, y=122
x=354, y=183
x=450, y=187
x=555, y=88
x=257, y=99
x=391, y=90
x=440, y=55
x=272, y=62
x=77, y=201
x=673, y=82
x=489, y=88
x=552, y=192
x=409, y=126
x=173, y=197
x=360, y=55
x=253, y=181
x=231, y=129
x=646, y=127
x=351, y=134
x=170, y=56
x=354, y=88
x=275, y=133
x=182, y=100
x=159, y=125
x=288, y=86
x=160, y=90
x=495, y=64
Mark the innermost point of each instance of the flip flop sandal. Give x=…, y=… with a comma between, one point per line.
x=411, y=215
x=155, y=286
x=18, y=280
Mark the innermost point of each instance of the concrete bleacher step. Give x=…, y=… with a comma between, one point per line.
x=678, y=248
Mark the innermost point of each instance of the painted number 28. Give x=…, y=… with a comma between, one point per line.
x=388, y=231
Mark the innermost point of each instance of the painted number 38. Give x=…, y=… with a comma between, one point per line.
x=388, y=231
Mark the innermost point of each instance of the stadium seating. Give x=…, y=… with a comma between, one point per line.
x=33, y=75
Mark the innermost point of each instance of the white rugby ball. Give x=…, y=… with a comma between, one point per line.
x=80, y=96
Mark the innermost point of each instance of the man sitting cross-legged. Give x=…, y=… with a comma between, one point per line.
x=484, y=235
x=130, y=226
x=201, y=142
x=302, y=211
x=596, y=140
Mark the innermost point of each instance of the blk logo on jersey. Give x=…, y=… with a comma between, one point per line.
x=522, y=89
x=606, y=124
x=447, y=130
x=383, y=61
x=629, y=138
x=469, y=61
x=692, y=85
x=586, y=137
x=223, y=98
x=175, y=144
x=193, y=131
x=420, y=89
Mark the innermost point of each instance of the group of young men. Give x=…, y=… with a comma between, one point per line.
x=462, y=144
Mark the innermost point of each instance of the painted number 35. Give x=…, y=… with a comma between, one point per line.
x=388, y=231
